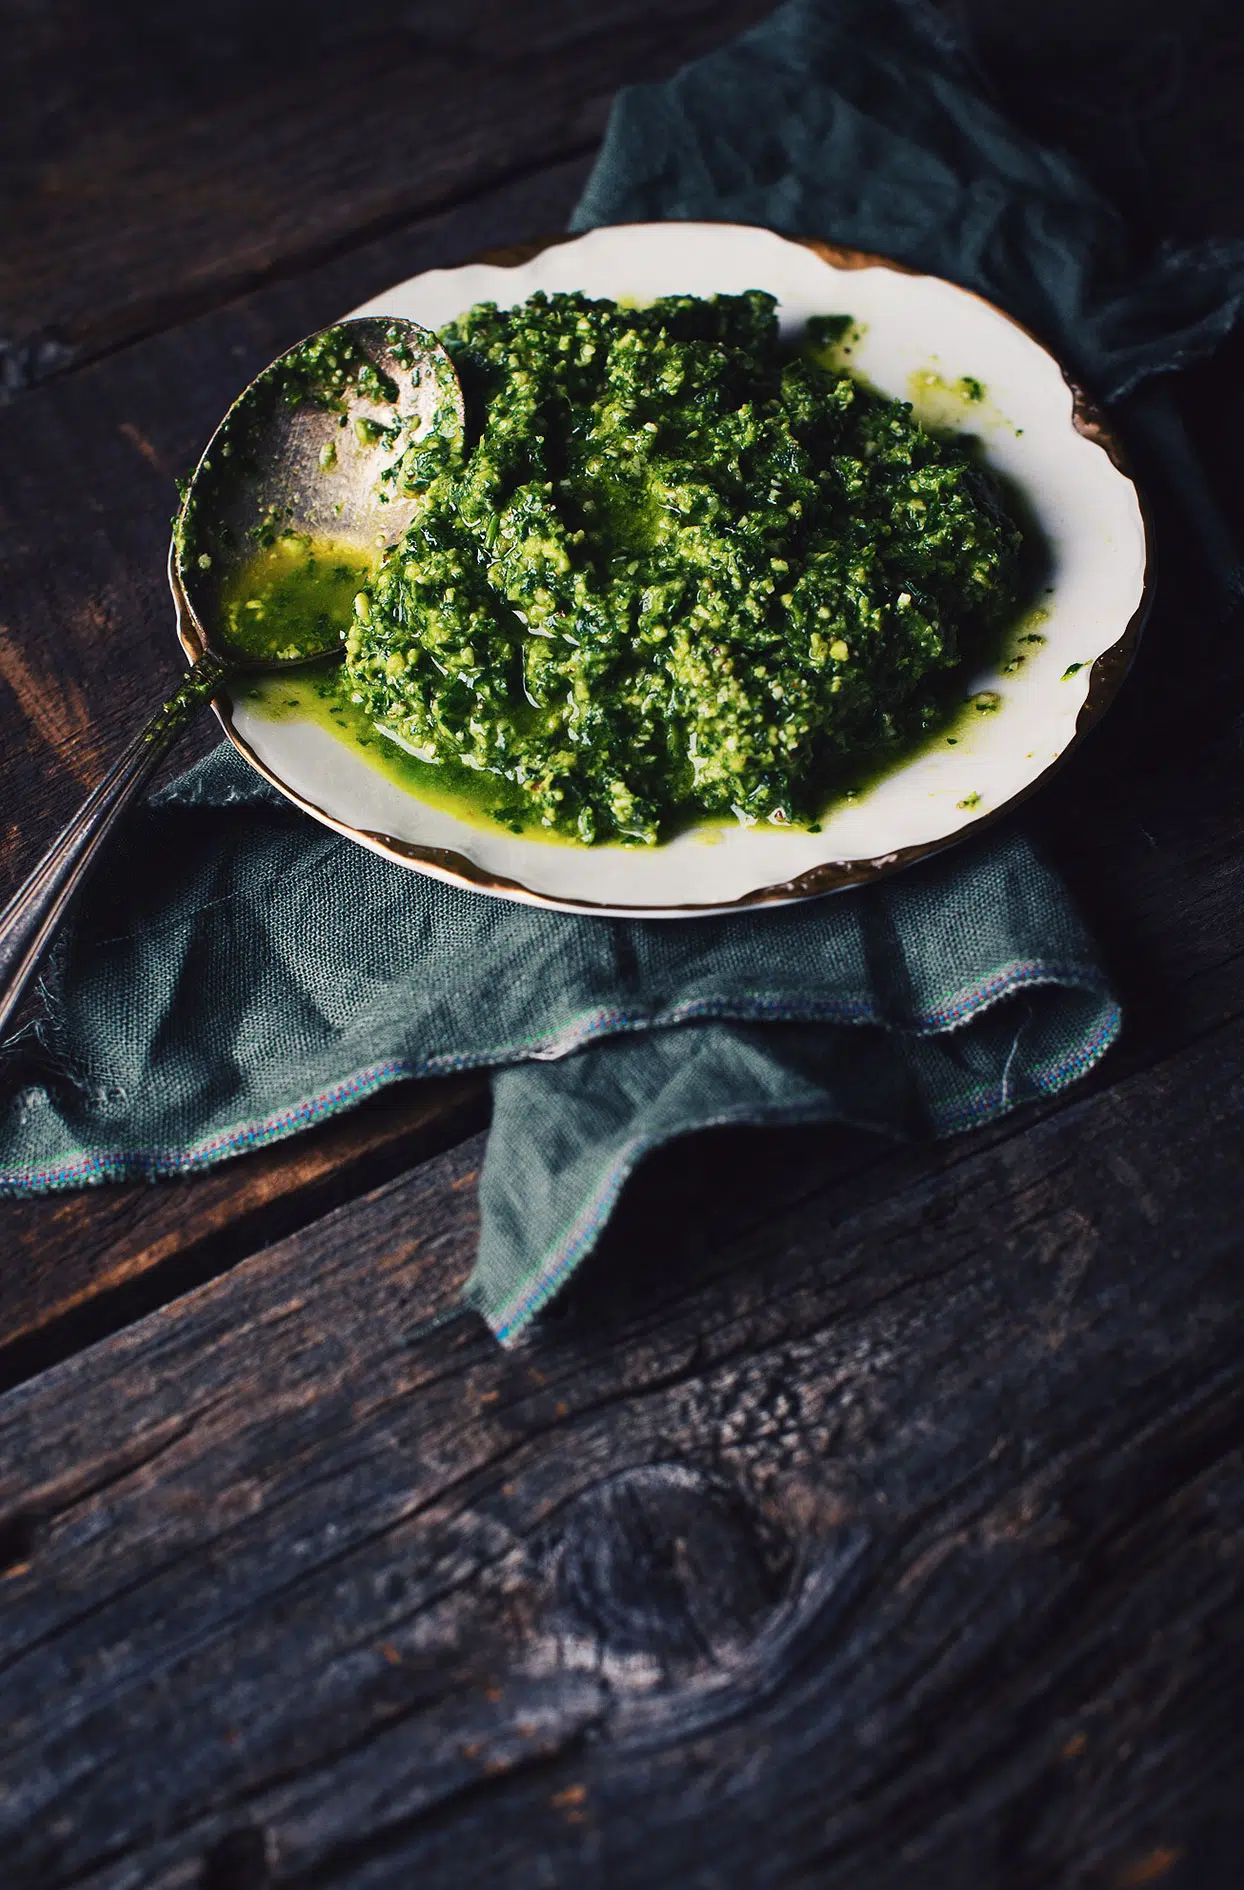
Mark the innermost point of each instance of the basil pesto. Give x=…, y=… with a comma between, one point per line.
x=293, y=597
x=673, y=570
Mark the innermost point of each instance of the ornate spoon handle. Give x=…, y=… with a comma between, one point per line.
x=30, y=919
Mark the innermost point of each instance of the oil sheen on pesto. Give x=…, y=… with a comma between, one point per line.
x=294, y=597
x=282, y=594
x=673, y=571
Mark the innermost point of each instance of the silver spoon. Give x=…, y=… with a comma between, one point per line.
x=305, y=460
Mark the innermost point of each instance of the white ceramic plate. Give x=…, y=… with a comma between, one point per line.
x=917, y=337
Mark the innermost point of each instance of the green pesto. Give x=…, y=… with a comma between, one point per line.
x=314, y=694
x=831, y=340
x=293, y=597
x=331, y=366
x=674, y=572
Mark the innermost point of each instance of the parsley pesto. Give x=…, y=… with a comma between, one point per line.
x=672, y=570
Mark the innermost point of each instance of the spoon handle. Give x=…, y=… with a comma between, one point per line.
x=31, y=917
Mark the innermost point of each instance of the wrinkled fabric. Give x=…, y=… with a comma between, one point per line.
x=858, y=121
x=237, y=973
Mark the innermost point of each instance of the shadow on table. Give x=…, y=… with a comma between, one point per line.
x=701, y=1207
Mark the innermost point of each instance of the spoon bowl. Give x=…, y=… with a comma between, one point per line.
x=306, y=466
x=295, y=500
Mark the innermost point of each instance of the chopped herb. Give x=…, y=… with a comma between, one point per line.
x=679, y=572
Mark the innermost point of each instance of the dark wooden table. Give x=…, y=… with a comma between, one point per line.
x=866, y=1516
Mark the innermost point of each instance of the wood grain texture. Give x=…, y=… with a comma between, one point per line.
x=158, y=163
x=899, y=1536
x=82, y=1264
x=863, y=1516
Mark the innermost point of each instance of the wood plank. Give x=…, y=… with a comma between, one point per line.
x=80, y=1265
x=158, y=164
x=898, y=1537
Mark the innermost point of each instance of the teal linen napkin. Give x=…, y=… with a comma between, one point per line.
x=860, y=121
x=238, y=973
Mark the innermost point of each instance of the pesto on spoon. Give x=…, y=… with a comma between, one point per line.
x=287, y=514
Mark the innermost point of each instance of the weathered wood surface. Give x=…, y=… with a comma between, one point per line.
x=79, y=1265
x=895, y=1537
x=158, y=162
x=863, y=1516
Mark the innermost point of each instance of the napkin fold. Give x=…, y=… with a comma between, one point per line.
x=238, y=973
